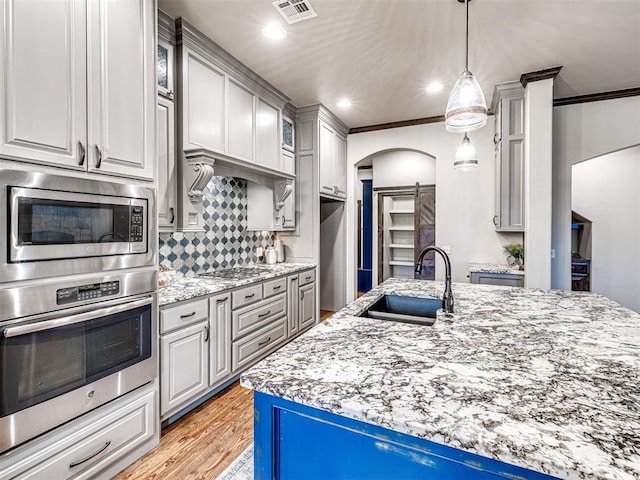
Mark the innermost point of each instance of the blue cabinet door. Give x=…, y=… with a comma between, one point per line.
x=294, y=442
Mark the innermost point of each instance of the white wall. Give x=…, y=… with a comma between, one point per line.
x=464, y=200
x=538, y=116
x=580, y=132
x=401, y=168
x=606, y=190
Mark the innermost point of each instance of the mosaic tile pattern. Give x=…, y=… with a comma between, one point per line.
x=225, y=241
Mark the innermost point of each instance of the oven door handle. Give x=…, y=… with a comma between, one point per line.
x=34, y=327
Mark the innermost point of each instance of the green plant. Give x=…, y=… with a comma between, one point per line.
x=515, y=250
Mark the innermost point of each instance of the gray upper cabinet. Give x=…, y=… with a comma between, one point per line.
x=94, y=106
x=167, y=200
x=333, y=161
x=165, y=70
x=225, y=108
x=508, y=103
x=268, y=133
x=202, y=102
x=241, y=122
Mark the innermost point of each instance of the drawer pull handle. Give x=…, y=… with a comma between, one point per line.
x=307, y=278
x=250, y=296
x=188, y=315
x=223, y=299
x=293, y=279
x=264, y=342
x=278, y=287
x=89, y=457
x=265, y=314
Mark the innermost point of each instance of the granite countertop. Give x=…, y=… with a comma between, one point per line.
x=183, y=288
x=494, y=268
x=547, y=380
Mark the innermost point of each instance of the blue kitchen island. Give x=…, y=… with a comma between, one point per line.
x=520, y=383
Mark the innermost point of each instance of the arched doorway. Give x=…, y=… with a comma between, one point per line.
x=389, y=223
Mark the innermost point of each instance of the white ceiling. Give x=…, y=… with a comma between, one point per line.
x=381, y=53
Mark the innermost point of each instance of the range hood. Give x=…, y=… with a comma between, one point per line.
x=202, y=164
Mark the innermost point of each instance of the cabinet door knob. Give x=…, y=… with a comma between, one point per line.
x=82, y=152
x=98, y=156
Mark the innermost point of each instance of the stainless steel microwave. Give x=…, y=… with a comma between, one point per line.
x=57, y=225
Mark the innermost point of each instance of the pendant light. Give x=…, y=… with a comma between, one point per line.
x=467, y=108
x=466, y=156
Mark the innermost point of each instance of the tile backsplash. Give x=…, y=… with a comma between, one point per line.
x=225, y=241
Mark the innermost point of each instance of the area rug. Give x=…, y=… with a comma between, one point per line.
x=241, y=468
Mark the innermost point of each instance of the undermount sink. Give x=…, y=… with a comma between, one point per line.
x=397, y=308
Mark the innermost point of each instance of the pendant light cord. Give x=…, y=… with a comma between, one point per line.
x=466, y=52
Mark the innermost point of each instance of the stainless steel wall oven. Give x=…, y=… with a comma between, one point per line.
x=67, y=347
x=48, y=220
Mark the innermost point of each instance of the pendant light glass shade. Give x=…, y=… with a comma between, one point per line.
x=467, y=108
x=466, y=156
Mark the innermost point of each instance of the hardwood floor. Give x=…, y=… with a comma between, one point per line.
x=204, y=442
x=324, y=314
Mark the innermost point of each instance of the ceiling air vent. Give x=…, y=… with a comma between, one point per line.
x=295, y=11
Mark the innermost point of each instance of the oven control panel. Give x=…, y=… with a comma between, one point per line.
x=91, y=291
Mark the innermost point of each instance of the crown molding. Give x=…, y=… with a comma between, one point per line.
x=547, y=73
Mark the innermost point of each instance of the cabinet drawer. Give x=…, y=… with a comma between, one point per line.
x=274, y=287
x=246, y=296
x=306, y=277
x=183, y=315
x=249, y=350
x=88, y=450
x=254, y=317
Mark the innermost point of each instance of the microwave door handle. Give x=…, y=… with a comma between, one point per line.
x=41, y=325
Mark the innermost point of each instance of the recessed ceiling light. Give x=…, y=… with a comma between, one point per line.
x=344, y=103
x=274, y=32
x=434, y=87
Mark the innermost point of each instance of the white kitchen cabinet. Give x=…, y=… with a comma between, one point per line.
x=202, y=99
x=121, y=87
x=333, y=162
x=43, y=87
x=80, y=93
x=165, y=71
x=307, y=306
x=293, y=305
x=220, y=328
x=261, y=212
x=184, y=360
x=99, y=444
x=341, y=166
x=327, y=145
x=268, y=135
x=490, y=278
x=241, y=121
x=508, y=103
x=286, y=220
x=287, y=162
x=166, y=151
